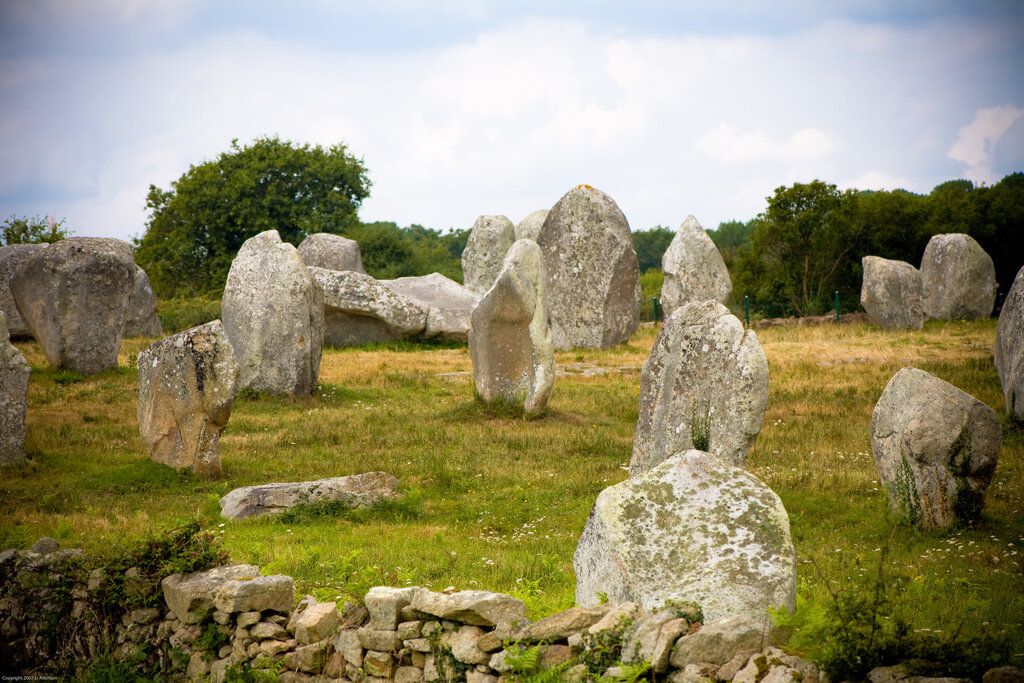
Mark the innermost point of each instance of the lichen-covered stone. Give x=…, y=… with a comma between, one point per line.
x=891, y=293
x=273, y=313
x=958, y=279
x=355, y=491
x=1009, y=350
x=704, y=367
x=385, y=605
x=190, y=596
x=14, y=374
x=140, y=318
x=316, y=622
x=489, y=241
x=255, y=594
x=529, y=227
x=478, y=608
x=447, y=303
x=694, y=269
x=695, y=529
x=510, y=339
x=720, y=640
x=332, y=252
x=935, y=447
x=12, y=258
x=358, y=309
x=593, y=273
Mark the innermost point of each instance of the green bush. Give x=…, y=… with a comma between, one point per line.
x=183, y=314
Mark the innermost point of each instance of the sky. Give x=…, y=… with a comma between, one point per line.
x=467, y=108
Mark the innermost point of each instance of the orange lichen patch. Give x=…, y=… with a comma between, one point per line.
x=586, y=187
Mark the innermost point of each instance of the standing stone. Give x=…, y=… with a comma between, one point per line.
x=72, y=296
x=187, y=386
x=704, y=367
x=529, y=227
x=140, y=318
x=510, y=339
x=273, y=315
x=448, y=304
x=935, y=447
x=333, y=252
x=358, y=309
x=1009, y=353
x=489, y=241
x=12, y=258
x=14, y=372
x=958, y=279
x=694, y=529
x=593, y=275
x=890, y=292
x=694, y=269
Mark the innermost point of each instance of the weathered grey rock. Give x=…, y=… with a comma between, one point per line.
x=703, y=364
x=316, y=622
x=357, y=490
x=1004, y=674
x=529, y=227
x=332, y=252
x=1009, y=351
x=190, y=596
x=478, y=608
x=593, y=274
x=890, y=292
x=273, y=314
x=561, y=625
x=489, y=241
x=187, y=385
x=958, y=279
x=720, y=640
x=72, y=297
x=448, y=304
x=652, y=637
x=510, y=339
x=255, y=594
x=935, y=447
x=347, y=643
x=694, y=529
x=14, y=374
x=45, y=545
x=360, y=310
x=463, y=644
x=12, y=258
x=385, y=605
x=140, y=318
x=694, y=269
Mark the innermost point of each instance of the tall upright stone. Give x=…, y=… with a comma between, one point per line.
x=593, y=273
x=706, y=377
x=72, y=296
x=489, y=241
x=890, y=292
x=1009, y=352
x=333, y=252
x=694, y=269
x=140, y=318
x=12, y=258
x=14, y=373
x=958, y=279
x=187, y=385
x=273, y=313
x=529, y=227
x=510, y=339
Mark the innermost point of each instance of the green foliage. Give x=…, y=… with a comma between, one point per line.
x=196, y=227
x=449, y=668
x=212, y=637
x=389, y=252
x=903, y=493
x=185, y=313
x=731, y=237
x=650, y=246
x=34, y=230
x=401, y=509
x=700, y=426
x=651, y=281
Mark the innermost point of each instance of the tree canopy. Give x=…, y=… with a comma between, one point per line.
x=34, y=230
x=650, y=245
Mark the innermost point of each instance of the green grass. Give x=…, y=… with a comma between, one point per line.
x=497, y=501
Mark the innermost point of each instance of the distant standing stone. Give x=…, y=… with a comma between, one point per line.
x=935, y=447
x=333, y=252
x=703, y=366
x=529, y=227
x=141, y=319
x=359, y=309
x=489, y=241
x=14, y=373
x=694, y=269
x=958, y=279
x=187, y=386
x=273, y=314
x=72, y=296
x=593, y=274
x=890, y=292
x=448, y=304
x=12, y=258
x=1009, y=352
x=510, y=339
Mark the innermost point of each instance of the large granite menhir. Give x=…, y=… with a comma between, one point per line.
x=12, y=258
x=694, y=269
x=140, y=319
x=1009, y=351
x=891, y=293
x=958, y=279
x=489, y=241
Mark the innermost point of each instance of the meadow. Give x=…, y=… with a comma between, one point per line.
x=495, y=501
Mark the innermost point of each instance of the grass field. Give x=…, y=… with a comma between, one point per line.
x=497, y=502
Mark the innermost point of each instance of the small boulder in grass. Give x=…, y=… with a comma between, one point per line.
x=354, y=491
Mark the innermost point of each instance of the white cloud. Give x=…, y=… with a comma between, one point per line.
x=975, y=143
x=725, y=144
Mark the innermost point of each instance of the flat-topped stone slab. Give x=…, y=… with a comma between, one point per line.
x=357, y=490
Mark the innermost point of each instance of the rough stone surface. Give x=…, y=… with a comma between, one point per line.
x=652, y=637
x=478, y=608
x=563, y=624
x=358, y=309
x=958, y=279
x=14, y=374
x=187, y=386
x=316, y=622
x=255, y=594
x=593, y=274
x=721, y=640
x=385, y=605
x=489, y=241
x=332, y=252
x=1009, y=351
x=189, y=596
x=357, y=490
x=694, y=269
x=694, y=529
x=703, y=364
x=72, y=297
x=273, y=314
x=890, y=292
x=140, y=318
x=529, y=227
x=12, y=258
x=510, y=339
x=935, y=447
x=448, y=304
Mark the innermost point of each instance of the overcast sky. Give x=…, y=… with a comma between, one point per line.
x=469, y=107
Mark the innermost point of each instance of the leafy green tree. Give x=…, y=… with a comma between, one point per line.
x=34, y=230
x=730, y=237
x=389, y=251
x=650, y=246
x=197, y=226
